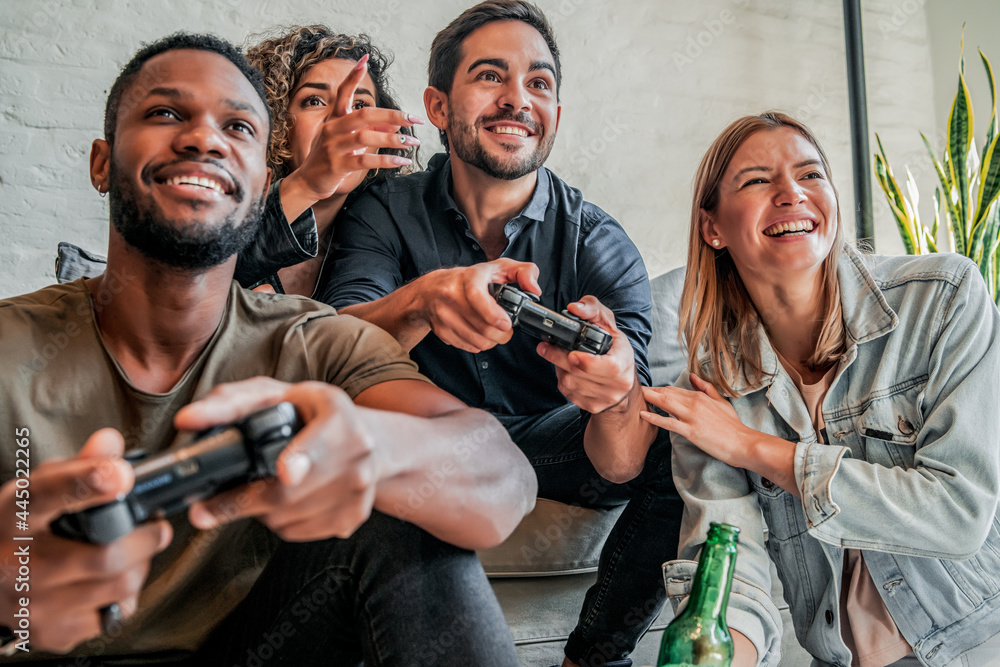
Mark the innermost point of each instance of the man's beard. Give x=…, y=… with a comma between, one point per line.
x=190, y=246
x=469, y=149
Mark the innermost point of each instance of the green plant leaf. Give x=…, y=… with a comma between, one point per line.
x=896, y=203
x=984, y=240
x=960, y=123
x=961, y=52
x=913, y=213
x=937, y=213
x=930, y=241
x=992, y=231
x=989, y=182
x=995, y=285
x=896, y=194
x=994, y=126
x=956, y=240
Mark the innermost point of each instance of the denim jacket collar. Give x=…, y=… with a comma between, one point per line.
x=867, y=316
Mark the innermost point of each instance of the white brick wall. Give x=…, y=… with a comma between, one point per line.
x=647, y=85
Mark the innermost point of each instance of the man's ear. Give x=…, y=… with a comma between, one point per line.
x=709, y=230
x=436, y=105
x=267, y=184
x=100, y=165
x=558, y=116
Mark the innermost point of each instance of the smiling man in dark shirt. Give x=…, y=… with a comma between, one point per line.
x=417, y=256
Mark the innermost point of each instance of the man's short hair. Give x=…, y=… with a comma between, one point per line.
x=176, y=41
x=446, y=49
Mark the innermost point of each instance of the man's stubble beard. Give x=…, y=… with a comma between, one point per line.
x=469, y=149
x=187, y=247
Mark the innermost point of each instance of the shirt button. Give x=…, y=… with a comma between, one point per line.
x=767, y=484
x=829, y=617
x=484, y=365
x=475, y=246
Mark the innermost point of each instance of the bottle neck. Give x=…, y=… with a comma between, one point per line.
x=712, y=581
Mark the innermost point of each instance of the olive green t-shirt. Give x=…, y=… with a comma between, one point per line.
x=60, y=383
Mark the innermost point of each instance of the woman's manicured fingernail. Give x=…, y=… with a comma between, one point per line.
x=401, y=160
x=407, y=140
x=361, y=63
x=415, y=120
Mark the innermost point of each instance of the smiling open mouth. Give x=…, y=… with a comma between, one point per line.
x=509, y=129
x=199, y=181
x=797, y=228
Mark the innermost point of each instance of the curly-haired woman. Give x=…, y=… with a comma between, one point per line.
x=862, y=422
x=336, y=130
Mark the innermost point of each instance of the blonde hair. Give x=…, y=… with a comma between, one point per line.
x=717, y=316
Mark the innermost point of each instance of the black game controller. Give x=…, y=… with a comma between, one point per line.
x=566, y=330
x=219, y=459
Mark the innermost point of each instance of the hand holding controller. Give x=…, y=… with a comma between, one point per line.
x=563, y=330
x=220, y=459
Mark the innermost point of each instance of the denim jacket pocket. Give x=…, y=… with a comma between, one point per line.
x=979, y=575
x=889, y=425
x=782, y=511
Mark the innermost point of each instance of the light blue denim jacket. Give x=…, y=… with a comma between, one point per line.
x=910, y=472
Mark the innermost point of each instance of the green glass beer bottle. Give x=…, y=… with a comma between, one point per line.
x=699, y=635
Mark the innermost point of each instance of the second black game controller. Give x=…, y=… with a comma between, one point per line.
x=561, y=329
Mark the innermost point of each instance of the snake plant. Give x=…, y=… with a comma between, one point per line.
x=969, y=185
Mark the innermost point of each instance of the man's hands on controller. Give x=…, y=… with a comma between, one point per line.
x=71, y=581
x=326, y=483
x=595, y=383
x=457, y=305
x=327, y=475
x=459, y=309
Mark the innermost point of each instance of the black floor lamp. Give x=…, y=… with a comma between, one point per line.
x=857, y=99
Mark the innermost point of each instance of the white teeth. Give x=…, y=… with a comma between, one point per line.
x=195, y=180
x=804, y=226
x=507, y=129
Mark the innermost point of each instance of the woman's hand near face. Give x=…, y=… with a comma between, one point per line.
x=341, y=148
x=708, y=421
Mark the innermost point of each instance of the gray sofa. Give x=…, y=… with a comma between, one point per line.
x=541, y=573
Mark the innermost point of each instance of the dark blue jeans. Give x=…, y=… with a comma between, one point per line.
x=391, y=594
x=629, y=592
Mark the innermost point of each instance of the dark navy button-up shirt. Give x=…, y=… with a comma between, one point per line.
x=410, y=226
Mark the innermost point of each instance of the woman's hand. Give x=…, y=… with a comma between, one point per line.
x=710, y=423
x=340, y=148
x=702, y=416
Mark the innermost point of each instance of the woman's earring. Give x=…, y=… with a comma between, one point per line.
x=715, y=243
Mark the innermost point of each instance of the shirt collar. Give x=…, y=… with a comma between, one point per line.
x=534, y=210
x=867, y=316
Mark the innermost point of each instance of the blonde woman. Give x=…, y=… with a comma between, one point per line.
x=847, y=403
x=337, y=130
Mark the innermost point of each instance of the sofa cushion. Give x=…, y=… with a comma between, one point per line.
x=666, y=358
x=553, y=539
x=74, y=262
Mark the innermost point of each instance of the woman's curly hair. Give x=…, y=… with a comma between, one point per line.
x=286, y=58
